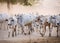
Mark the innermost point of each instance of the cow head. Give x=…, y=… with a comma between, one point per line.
x=12, y=21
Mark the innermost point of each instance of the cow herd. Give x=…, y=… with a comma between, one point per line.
x=26, y=24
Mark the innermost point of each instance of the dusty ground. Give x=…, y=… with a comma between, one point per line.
x=31, y=39
x=38, y=40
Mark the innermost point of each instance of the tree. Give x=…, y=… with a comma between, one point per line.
x=23, y=2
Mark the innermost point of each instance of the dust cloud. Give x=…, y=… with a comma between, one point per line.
x=43, y=7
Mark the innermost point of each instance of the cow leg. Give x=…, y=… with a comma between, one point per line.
x=49, y=31
x=15, y=33
x=22, y=30
x=57, y=30
x=12, y=33
x=9, y=34
x=29, y=32
x=40, y=30
x=44, y=30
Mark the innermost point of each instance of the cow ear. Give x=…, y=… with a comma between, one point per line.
x=6, y=20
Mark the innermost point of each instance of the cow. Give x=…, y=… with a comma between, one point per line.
x=12, y=26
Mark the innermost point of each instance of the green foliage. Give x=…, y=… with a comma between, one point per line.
x=2, y=1
x=22, y=2
x=13, y=1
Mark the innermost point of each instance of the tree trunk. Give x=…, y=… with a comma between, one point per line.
x=8, y=4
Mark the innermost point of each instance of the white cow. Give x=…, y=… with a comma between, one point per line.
x=55, y=21
x=24, y=19
x=12, y=26
x=3, y=21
